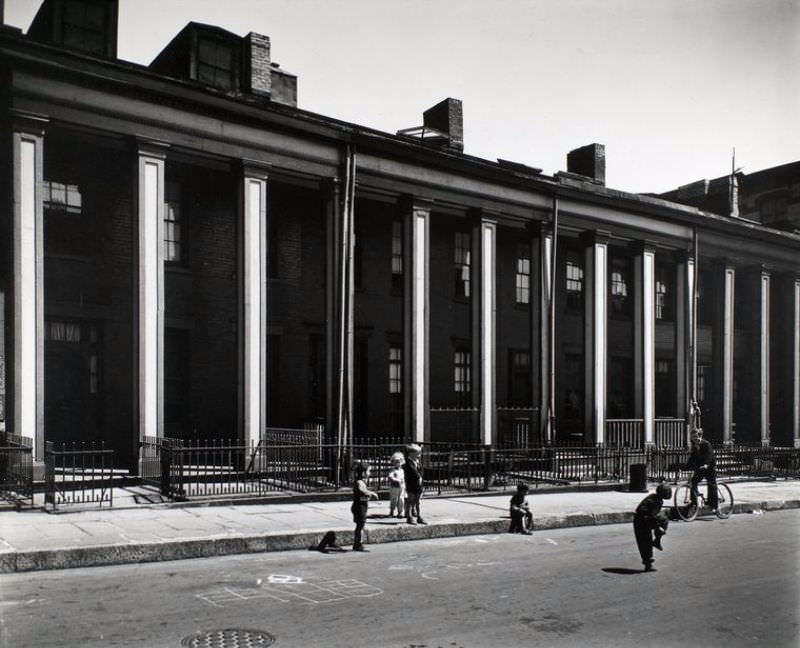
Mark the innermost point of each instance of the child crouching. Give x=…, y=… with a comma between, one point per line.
x=521, y=516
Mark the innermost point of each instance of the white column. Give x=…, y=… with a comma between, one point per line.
x=644, y=335
x=417, y=371
x=151, y=289
x=729, y=285
x=764, y=365
x=596, y=332
x=254, y=287
x=546, y=337
x=486, y=325
x=681, y=337
x=28, y=255
x=795, y=342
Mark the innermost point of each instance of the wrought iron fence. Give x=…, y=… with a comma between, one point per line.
x=78, y=473
x=16, y=469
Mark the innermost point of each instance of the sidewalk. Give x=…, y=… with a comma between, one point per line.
x=32, y=540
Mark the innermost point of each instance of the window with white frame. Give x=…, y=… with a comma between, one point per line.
x=619, y=285
x=574, y=279
x=397, y=255
x=395, y=370
x=462, y=372
x=173, y=226
x=462, y=263
x=663, y=304
x=58, y=196
x=702, y=372
x=523, y=276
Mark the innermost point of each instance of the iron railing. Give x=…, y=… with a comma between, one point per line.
x=78, y=473
x=625, y=433
x=16, y=469
x=670, y=433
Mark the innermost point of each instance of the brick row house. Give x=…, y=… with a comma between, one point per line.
x=187, y=253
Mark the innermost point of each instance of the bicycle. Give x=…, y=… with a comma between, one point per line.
x=687, y=510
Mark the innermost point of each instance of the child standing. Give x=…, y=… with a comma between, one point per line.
x=521, y=516
x=649, y=524
x=412, y=470
x=397, y=482
x=361, y=497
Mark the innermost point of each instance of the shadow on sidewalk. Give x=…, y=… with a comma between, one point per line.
x=622, y=570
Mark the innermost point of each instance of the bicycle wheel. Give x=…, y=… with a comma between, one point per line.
x=724, y=501
x=683, y=503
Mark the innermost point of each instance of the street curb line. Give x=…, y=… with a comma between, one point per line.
x=105, y=555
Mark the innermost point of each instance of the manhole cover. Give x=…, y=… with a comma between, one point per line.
x=229, y=638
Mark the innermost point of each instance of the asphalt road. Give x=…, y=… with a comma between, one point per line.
x=719, y=583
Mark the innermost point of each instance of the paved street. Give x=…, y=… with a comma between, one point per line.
x=719, y=583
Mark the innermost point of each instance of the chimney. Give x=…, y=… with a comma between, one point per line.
x=258, y=73
x=447, y=117
x=589, y=161
x=284, y=86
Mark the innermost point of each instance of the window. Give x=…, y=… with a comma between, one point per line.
x=663, y=303
x=395, y=370
x=61, y=197
x=773, y=208
x=519, y=380
x=702, y=372
x=462, y=263
x=619, y=285
x=574, y=280
x=397, y=256
x=523, y=278
x=173, y=246
x=215, y=63
x=83, y=26
x=462, y=376
x=62, y=331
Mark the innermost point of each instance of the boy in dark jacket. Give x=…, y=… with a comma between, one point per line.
x=702, y=461
x=649, y=524
x=412, y=471
x=521, y=516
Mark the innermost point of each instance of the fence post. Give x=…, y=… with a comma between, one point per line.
x=165, y=455
x=49, y=475
x=487, y=467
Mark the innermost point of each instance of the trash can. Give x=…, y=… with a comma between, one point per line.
x=638, y=482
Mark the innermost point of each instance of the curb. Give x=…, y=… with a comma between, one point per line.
x=104, y=555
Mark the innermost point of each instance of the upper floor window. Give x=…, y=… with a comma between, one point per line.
x=397, y=255
x=462, y=264
x=58, y=196
x=574, y=279
x=173, y=225
x=395, y=370
x=619, y=285
x=462, y=372
x=523, y=277
x=215, y=63
x=83, y=26
x=663, y=297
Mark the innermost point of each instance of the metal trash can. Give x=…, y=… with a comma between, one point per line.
x=638, y=482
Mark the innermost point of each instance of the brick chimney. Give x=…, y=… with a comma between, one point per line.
x=447, y=117
x=258, y=73
x=589, y=161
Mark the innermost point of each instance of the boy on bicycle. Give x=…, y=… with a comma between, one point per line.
x=650, y=523
x=702, y=461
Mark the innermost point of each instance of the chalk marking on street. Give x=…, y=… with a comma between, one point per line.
x=425, y=575
x=299, y=591
x=284, y=578
x=551, y=541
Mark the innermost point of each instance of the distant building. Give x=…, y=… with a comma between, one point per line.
x=187, y=253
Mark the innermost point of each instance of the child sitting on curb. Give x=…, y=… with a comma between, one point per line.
x=521, y=516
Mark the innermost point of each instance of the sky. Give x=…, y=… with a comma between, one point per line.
x=669, y=87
